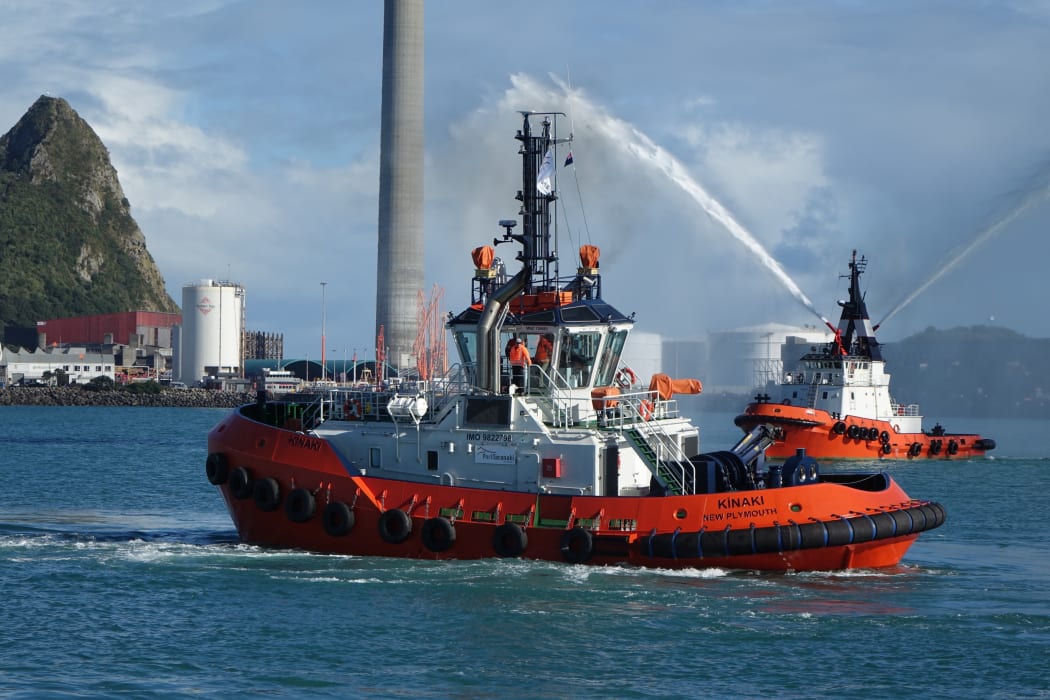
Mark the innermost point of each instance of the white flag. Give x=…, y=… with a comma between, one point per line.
x=543, y=178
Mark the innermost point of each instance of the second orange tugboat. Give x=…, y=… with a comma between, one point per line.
x=569, y=458
x=835, y=402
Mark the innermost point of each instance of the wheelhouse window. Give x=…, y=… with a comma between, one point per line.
x=467, y=342
x=578, y=357
x=610, y=358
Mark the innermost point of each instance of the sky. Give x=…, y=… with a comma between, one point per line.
x=724, y=153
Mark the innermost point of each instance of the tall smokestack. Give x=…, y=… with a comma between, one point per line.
x=399, y=277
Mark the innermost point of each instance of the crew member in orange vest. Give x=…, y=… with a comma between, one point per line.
x=544, y=348
x=519, y=358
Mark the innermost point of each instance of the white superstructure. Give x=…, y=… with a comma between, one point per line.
x=212, y=328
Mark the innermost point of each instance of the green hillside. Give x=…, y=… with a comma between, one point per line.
x=68, y=243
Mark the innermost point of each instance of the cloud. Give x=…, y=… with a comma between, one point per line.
x=246, y=138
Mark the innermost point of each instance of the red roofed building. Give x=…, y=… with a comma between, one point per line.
x=138, y=328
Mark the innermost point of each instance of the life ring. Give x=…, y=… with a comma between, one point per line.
x=577, y=545
x=509, y=540
x=352, y=409
x=438, y=534
x=266, y=493
x=300, y=505
x=896, y=428
x=337, y=519
x=839, y=428
x=240, y=483
x=645, y=409
x=217, y=468
x=626, y=377
x=395, y=526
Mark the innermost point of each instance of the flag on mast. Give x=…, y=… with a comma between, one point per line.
x=568, y=159
x=543, y=178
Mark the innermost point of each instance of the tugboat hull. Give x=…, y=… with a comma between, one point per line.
x=824, y=437
x=285, y=489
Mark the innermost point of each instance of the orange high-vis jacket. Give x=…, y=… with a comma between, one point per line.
x=543, y=350
x=519, y=355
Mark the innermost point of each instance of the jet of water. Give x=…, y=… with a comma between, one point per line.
x=1036, y=193
x=637, y=144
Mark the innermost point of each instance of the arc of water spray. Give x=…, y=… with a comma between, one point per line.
x=642, y=147
x=1036, y=193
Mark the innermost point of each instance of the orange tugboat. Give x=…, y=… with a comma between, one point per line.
x=568, y=458
x=835, y=401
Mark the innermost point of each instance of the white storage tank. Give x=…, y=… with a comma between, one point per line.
x=212, y=329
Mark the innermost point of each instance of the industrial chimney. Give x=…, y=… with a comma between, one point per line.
x=399, y=275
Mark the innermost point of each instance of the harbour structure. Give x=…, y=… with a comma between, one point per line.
x=209, y=343
x=399, y=272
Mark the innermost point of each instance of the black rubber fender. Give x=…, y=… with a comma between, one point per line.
x=813, y=535
x=266, y=493
x=438, y=534
x=887, y=448
x=852, y=431
x=217, y=467
x=395, y=525
x=840, y=532
x=240, y=483
x=509, y=540
x=905, y=524
x=337, y=519
x=839, y=428
x=741, y=541
x=300, y=505
x=885, y=525
x=577, y=545
x=884, y=437
x=768, y=539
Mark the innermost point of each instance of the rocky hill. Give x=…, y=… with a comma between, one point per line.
x=978, y=371
x=68, y=243
x=972, y=371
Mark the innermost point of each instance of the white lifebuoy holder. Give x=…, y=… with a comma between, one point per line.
x=626, y=377
x=352, y=408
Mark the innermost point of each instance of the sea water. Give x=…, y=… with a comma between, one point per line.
x=121, y=576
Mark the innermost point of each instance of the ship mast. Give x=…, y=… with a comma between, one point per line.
x=539, y=264
x=855, y=332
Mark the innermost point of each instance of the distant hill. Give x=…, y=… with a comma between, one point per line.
x=977, y=371
x=68, y=243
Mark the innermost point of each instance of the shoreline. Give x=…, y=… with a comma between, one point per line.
x=77, y=396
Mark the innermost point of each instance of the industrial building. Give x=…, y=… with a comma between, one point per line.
x=743, y=359
x=209, y=343
x=58, y=365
